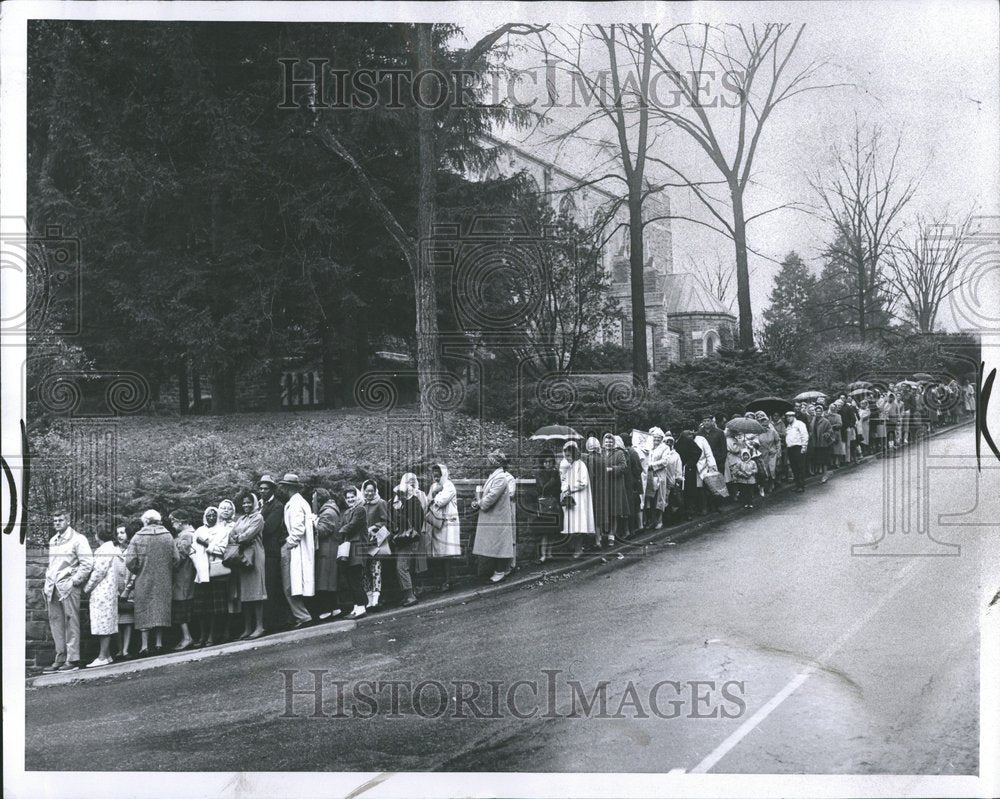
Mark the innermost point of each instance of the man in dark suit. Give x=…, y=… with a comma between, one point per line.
x=277, y=614
x=633, y=486
x=716, y=439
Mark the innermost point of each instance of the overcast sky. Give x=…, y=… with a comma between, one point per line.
x=927, y=71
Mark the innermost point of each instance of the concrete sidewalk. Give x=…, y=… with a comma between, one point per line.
x=522, y=577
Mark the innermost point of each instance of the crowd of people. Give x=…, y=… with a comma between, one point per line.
x=270, y=560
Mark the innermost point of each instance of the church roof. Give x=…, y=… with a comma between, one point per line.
x=685, y=295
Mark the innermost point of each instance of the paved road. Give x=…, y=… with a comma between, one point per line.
x=765, y=645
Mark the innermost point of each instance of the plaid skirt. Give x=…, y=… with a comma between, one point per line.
x=211, y=598
x=180, y=610
x=126, y=611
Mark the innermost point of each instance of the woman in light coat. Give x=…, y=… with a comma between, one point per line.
x=495, y=527
x=210, y=594
x=247, y=583
x=577, y=499
x=103, y=589
x=445, y=541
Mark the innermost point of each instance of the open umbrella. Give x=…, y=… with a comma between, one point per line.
x=770, y=405
x=805, y=396
x=923, y=377
x=860, y=391
x=909, y=383
x=743, y=425
x=859, y=384
x=555, y=432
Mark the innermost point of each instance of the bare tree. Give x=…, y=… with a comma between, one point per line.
x=717, y=279
x=756, y=64
x=927, y=269
x=593, y=56
x=864, y=199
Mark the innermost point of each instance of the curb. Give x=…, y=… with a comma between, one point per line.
x=188, y=655
x=676, y=534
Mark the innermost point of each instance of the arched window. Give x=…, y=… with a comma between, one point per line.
x=712, y=342
x=567, y=206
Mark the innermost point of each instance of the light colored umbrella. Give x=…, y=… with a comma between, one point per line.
x=555, y=432
x=805, y=396
x=859, y=384
x=923, y=377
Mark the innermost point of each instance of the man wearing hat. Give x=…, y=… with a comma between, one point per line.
x=277, y=614
x=797, y=441
x=298, y=575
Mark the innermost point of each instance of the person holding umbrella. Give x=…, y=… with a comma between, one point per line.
x=576, y=499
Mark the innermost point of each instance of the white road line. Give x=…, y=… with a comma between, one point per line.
x=747, y=726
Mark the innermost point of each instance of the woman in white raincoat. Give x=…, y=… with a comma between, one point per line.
x=578, y=515
x=443, y=531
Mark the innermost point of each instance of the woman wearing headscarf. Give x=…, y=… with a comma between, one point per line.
x=210, y=593
x=821, y=440
x=655, y=498
x=577, y=500
x=689, y=454
x=353, y=529
x=550, y=512
x=610, y=500
x=377, y=515
x=247, y=582
x=673, y=479
x=443, y=523
x=495, y=526
x=770, y=449
x=326, y=530
x=839, y=450
x=406, y=522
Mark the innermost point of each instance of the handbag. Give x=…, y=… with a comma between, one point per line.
x=381, y=546
x=568, y=501
x=232, y=557
x=216, y=568
x=405, y=537
x=435, y=516
x=716, y=483
x=548, y=506
x=344, y=550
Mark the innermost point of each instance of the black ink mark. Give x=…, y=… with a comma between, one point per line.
x=982, y=430
x=12, y=485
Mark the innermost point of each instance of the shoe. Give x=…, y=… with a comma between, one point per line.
x=255, y=634
x=497, y=577
x=69, y=666
x=182, y=646
x=357, y=613
x=54, y=666
x=825, y=478
x=100, y=662
x=444, y=588
x=541, y=560
x=300, y=624
x=621, y=556
x=410, y=600
x=325, y=616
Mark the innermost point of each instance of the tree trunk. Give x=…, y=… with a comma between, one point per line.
x=640, y=358
x=742, y=270
x=196, y=388
x=428, y=358
x=183, y=399
x=329, y=365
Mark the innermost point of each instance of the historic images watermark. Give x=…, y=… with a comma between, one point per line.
x=316, y=84
x=317, y=694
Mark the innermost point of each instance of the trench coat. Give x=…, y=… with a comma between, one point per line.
x=495, y=526
x=578, y=520
x=302, y=566
x=446, y=542
x=610, y=499
x=247, y=585
x=327, y=529
x=151, y=557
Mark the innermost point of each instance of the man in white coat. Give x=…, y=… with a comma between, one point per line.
x=298, y=551
x=70, y=564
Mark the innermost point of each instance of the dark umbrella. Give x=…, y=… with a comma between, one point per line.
x=859, y=384
x=770, y=405
x=924, y=377
x=805, y=396
x=743, y=425
x=555, y=432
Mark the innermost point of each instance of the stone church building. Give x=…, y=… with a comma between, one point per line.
x=684, y=321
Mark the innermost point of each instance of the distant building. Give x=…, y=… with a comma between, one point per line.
x=684, y=321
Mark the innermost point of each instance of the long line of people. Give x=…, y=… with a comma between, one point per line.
x=274, y=560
